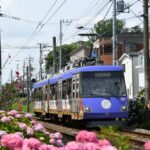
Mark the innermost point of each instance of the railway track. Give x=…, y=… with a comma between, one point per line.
x=137, y=138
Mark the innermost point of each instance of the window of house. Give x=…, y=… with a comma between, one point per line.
x=107, y=49
x=141, y=60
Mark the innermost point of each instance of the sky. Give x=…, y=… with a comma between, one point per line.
x=30, y=22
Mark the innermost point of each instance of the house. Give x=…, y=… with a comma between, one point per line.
x=134, y=72
x=126, y=43
x=130, y=61
x=140, y=68
x=79, y=53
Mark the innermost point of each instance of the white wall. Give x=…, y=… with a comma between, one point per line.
x=128, y=76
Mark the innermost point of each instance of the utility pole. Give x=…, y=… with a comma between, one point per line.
x=41, y=61
x=60, y=51
x=0, y=65
x=28, y=90
x=54, y=55
x=61, y=35
x=23, y=77
x=146, y=52
x=114, y=33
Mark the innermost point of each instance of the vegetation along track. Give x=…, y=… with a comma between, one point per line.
x=137, y=137
x=68, y=132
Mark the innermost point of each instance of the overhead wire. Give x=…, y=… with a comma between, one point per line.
x=136, y=15
x=105, y=14
x=88, y=21
x=36, y=31
x=90, y=7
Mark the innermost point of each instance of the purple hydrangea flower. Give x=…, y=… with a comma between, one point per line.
x=5, y=119
x=2, y=133
x=28, y=115
x=38, y=127
x=30, y=131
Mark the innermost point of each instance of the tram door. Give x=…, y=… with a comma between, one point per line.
x=75, y=93
x=43, y=98
x=59, y=95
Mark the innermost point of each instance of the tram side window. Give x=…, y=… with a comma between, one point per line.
x=46, y=92
x=39, y=94
x=64, y=89
x=53, y=95
x=34, y=94
x=69, y=88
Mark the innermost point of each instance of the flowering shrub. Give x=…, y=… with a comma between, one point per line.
x=20, y=132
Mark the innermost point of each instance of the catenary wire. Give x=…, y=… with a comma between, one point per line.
x=30, y=39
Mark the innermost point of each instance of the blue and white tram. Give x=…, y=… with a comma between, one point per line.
x=85, y=93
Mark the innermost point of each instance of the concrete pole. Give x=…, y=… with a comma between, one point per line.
x=40, y=73
x=146, y=52
x=54, y=55
x=60, y=51
x=28, y=90
x=0, y=65
x=114, y=33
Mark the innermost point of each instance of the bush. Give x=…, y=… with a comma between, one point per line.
x=137, y=109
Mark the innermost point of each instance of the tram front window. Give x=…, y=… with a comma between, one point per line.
x=101, y=86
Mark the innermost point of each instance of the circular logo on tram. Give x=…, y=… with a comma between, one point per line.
x=106, y=104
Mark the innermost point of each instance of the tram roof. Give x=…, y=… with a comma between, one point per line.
x=68, y=74
x=40, y=83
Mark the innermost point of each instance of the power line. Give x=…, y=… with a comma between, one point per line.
x=87, y=10
x=107, y=12
x=88, y=21
x=32, y=35
x=136, y=15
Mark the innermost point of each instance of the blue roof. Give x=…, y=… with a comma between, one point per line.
x=67, y=75
x=40, y=84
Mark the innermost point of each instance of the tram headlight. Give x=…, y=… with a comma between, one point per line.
x=124, y=108
x=123, y=98
x=87, y=109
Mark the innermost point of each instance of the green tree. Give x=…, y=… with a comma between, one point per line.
x=136, y=29
x=105, y=27
x=66, y=50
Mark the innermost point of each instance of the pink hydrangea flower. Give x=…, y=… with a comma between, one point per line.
x=51, y=135
x=22, y=125
x=52, y=141
x=46, y=133
x=2, y=133
x=31, y=144
x=5, y=119
x=86, y=136
x=108, y=147
x=18, y=116
x=58, y=135
x=59, y=143
x=30, y=131
x=13, y=113
x=103, y=142
x=147, y=145
x=46, y=147
x=74, y=146
x=38, y=127
x=20, y=134
x=28, y=115
x=91, y=146
x=12, y=141
x=33, y=122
